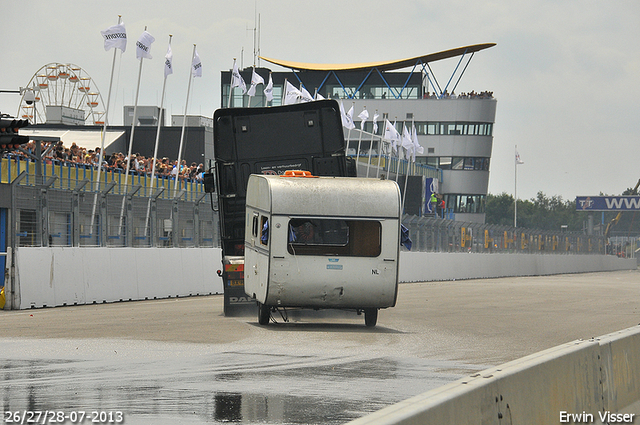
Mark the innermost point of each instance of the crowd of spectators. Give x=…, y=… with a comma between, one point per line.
x=471, y=95
x=117, y=162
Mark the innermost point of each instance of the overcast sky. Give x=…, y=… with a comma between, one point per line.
x=566, y=74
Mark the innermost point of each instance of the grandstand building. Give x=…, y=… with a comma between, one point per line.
x=454, y=129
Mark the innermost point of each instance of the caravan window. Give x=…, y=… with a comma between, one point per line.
x=323, y=236
x=264, y=233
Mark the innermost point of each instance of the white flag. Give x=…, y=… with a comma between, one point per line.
x=343, y=115
x=255, y=80
x=375, y=122
x=143, y=46
x=196, y=65
x=168, y=62
x=305, y=95
x=407, y=143
x=518, y=160
x=236, y=79
x=417, y=147
x=115, y=36
x=268, y=91
x=391, y=134
x=291, y=95
x=347, y=120
x=350, y=124
x=364, y=116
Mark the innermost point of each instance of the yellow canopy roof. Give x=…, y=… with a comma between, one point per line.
x=383, y=66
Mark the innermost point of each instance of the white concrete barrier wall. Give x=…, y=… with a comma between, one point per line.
x=620, y=352
x=428, y=266
x=595, y=381
x=65, y=276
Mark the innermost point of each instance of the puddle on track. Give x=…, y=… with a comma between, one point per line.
x=162, y=383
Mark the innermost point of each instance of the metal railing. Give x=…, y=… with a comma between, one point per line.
x=70, y=175
x=56, y=212
x=430, y=234
x=71, y=209
x=390, y=165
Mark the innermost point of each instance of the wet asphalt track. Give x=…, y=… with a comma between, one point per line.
x=182, y=361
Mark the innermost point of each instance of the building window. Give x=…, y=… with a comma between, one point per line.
x=451, y=128
x=465, y=204
x=457, y=163
x=445, y=162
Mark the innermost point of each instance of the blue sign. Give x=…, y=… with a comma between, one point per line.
x=431, y=186
x=607, y=203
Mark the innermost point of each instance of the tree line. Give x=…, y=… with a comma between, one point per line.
x=552, y=213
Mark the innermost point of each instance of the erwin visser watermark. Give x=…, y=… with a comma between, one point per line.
x=588, y=418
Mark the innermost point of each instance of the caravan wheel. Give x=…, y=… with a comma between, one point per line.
x=370, y=316
x=264, y=313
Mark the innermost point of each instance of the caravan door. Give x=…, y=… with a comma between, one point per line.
x=256, y=262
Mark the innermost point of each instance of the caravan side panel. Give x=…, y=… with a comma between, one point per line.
x=301, y=279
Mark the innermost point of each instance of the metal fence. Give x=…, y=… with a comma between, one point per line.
x=624, y=246
x=58, y=209
x=47, y=215
x=440, y=235
x=69, y=176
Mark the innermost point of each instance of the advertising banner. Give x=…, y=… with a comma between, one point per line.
x=607, y=203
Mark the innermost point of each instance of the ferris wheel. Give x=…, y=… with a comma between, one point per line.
x=62, y=85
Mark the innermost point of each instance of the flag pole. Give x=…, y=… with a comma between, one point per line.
x=515, y=190
x=399, y=146
x=398, y=164
x=413, y=151
x=404, y=193
x=410, y=159
x=349, y=137
x=381, y=149
x=184, y=122
x=387, y=148
x=371, y=146
x=133, y=127
x=284, y=92
x=155, y=149
x=102, y=136
x=231, y=86
x=266, y=97
x=359, y=143
x=253, y=71
x=254, y=66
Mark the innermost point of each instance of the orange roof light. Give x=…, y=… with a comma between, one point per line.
x=298, y=173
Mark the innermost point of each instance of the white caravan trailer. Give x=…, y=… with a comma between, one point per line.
x=322, y=242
